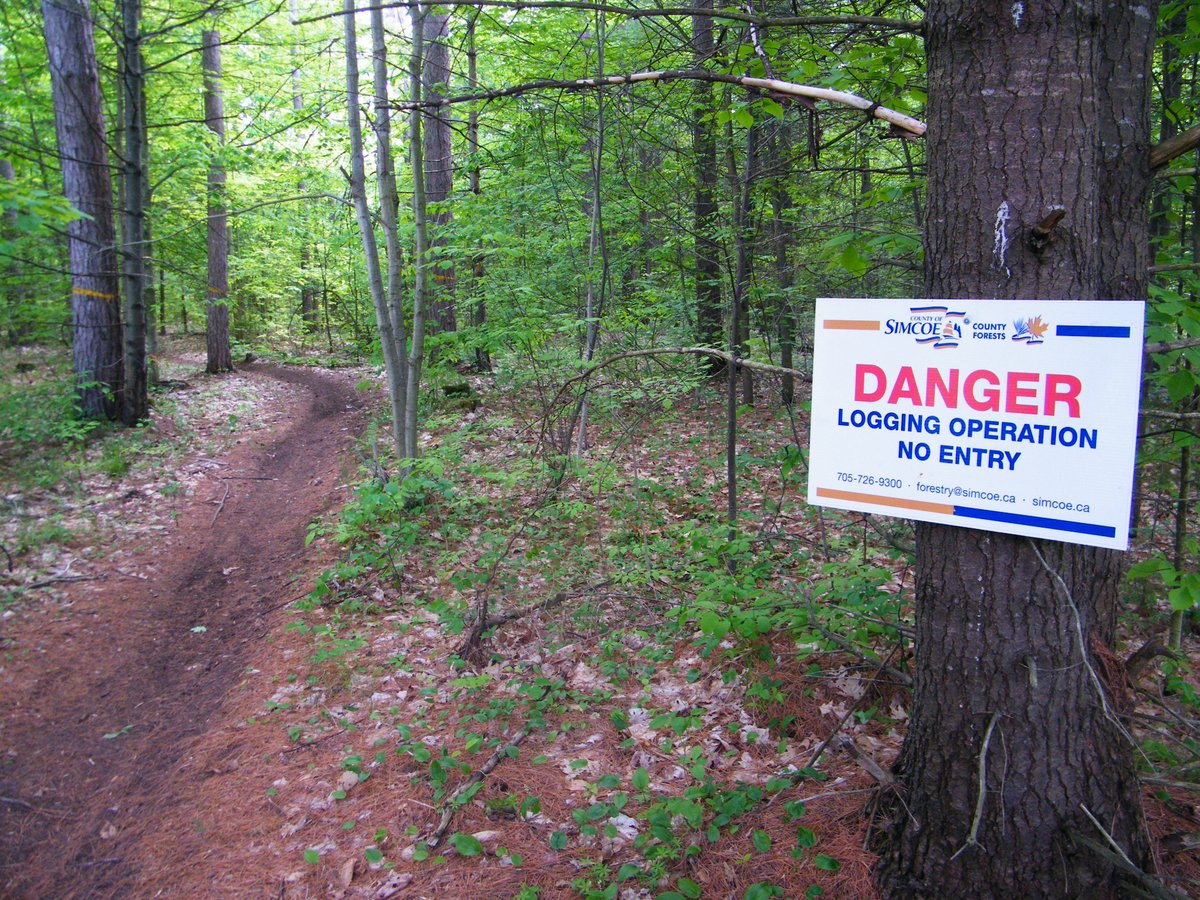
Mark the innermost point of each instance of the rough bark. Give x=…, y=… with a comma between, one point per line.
x=91, y=240
x=439, y=166
x=421, y=264
x=135, y=402
x=220, y=356
x=1030, y=110
x=483, y=360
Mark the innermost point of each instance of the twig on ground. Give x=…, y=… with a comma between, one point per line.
x=1121, y=860
x=903, y=678
x=550, y=602
x=450, y=805
x=57, y=579
x=865, y=761
x=220, y=506
x=9, y=555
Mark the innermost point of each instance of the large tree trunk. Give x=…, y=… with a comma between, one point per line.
x=135, y=403
x=220, y=357
x=704, y=204
x=91, y=240
x=439, y=166
x=1031, y=108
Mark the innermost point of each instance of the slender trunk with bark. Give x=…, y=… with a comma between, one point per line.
x=595, y=287
x=1013, y=744
x=220, y=355
x=421, y=264
x=135, y=403
x=91, y=239
x=704, y=204
x=393, y=368
x=483, y=360
x=439, y=167
x=309, y=313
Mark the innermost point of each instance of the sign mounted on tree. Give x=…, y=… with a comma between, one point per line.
x=1014, y=416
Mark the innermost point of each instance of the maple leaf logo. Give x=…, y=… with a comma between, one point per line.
x=1037, y=327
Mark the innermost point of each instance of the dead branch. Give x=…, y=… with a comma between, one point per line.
x=220, y=506
x=451, y=803
x=668, y=351
x=1175, y=147
x=1148, y=651
x=557, y=600
x=773, y=86
x=865, y=761
x=57, y=579
x=1116, y=856
x=903, y=678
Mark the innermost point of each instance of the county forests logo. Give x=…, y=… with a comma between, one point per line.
x=1030, y=331
x=938, y=326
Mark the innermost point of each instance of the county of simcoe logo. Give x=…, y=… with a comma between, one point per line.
x=934, y=325
x=1030, y=331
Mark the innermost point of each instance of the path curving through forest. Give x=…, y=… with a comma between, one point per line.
x=101, y=705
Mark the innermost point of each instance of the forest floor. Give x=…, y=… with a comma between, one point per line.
x=204, y=695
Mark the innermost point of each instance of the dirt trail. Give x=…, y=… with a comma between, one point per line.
x=153, y=659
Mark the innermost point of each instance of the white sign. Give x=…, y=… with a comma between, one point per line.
x=1007, y=415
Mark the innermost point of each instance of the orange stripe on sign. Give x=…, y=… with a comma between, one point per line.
x=850, y=325
x=877, y=500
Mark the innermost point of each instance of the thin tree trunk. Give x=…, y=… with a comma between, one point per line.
x=309, y=314
x=483, y=361
x=743, y=200
x=781, y=234
x=13, y=281
x=421, y=264
x=220, y=356
x=135, y=403
x=439, y=167
x=389, y=217
x=594, y=301
x=393, y=368
x=91, y=239
x=704, y=147
x=1012, y=742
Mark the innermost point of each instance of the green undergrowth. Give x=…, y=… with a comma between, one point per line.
x=626, y=588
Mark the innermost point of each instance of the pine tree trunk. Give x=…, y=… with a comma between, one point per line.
x=439, y=168
x=1032, y=107
x=483, y=360
x=135, y=402
x=91, y=240
x=220, y=356
x=421, y=262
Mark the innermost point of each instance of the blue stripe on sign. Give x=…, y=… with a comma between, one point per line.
x=1035, y=521
x=1098, y=331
